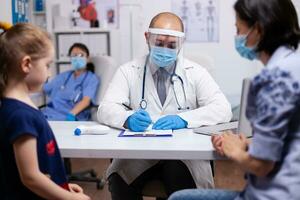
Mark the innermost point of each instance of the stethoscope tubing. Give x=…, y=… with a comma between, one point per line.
x=80, y=86
x=143, y=102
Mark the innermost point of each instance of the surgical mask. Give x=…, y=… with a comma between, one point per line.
x=78, y=62
x=163, y=57
x=242, y=49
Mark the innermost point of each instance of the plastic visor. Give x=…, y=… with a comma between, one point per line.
x=166, y=38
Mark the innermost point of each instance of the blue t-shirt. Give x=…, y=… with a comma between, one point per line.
x=18, y=119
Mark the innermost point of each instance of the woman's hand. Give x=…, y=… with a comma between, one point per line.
x=217, y=143
x=234, y=145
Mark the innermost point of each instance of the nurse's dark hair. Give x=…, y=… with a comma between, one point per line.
x=89, y=66
x=277, y=20
x=20, y=40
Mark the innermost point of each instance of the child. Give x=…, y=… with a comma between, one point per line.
x=30, y=163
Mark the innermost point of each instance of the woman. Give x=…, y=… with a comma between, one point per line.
x=267, y=30
x=73, y=91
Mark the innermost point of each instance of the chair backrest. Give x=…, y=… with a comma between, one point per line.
x=105, y=68
x=204, y=60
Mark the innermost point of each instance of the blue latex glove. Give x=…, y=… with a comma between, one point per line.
x=70, y=117
x=139, y=121
x=170, y=122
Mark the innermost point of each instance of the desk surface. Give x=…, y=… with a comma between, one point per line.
x=183, y=145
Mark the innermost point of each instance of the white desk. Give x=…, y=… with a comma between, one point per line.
x=184, y=145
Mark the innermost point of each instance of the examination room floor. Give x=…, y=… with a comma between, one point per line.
x=227, y=176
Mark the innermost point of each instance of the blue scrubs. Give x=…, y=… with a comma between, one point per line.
x=65, y=91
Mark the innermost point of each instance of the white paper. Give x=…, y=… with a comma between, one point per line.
x=149, y=133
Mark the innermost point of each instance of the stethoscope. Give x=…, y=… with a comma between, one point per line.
x=80, y=86
x=174, y=77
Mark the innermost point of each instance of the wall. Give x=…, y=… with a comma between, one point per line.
x=128, y=42
x=5, y=11
x=229, y=70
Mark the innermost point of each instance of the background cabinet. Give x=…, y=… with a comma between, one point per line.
x=97, y=41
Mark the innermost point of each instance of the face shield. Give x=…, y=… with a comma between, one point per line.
x=164, y=46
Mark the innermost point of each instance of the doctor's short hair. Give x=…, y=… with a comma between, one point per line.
x=22, y=39
x=89, y=66
x=166, y=14
x=277, y=20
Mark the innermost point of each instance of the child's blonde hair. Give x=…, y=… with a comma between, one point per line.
x=18, y=41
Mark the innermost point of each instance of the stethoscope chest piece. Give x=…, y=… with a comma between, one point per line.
x=143, y=104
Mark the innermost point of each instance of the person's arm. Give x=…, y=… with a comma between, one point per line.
x=90, y=89
x=81, y=105
x=54, y=83
x=235, y=147
x=213, y=105
x=27, y=163
x=111, y=110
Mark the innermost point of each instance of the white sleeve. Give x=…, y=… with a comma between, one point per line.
x=111, y=112
x=213, y=107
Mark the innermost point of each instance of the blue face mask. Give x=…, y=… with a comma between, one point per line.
x=163, y=57
x=242, y=49
x=78, y=62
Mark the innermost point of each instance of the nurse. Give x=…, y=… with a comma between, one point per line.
x=267, y=30
x=72, y=92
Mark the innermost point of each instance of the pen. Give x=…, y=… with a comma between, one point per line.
x=128, y=107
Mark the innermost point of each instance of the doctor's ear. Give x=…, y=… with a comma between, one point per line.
x=147, y=37
x=26, y=64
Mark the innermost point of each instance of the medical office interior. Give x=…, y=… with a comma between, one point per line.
x=113, y=31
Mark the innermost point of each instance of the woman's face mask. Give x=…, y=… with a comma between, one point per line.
x=163, y=57
x=78, y=62
x=242, y=49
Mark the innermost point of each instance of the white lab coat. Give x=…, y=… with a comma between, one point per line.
x=208, y=106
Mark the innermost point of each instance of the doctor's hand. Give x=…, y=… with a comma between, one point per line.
x=139, y=121
x=170, y=122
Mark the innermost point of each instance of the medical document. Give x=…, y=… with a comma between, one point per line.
x=147, y=133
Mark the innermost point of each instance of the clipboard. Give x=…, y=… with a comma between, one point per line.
x=152, y=133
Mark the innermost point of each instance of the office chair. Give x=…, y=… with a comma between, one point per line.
x=106, y=73
x=155, y=188
x=88, y=175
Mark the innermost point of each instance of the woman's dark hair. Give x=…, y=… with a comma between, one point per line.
x=89, y=66
x=277, y=19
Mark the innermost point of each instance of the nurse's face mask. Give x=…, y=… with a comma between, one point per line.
x=78, y=61
x=164, y=46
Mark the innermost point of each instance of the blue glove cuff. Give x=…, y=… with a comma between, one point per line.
x=71, y=117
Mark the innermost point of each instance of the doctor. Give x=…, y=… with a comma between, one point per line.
x=73, y=91
x=169, y=91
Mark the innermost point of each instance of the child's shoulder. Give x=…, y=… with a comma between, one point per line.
x=12, y=108
x=18, y=118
